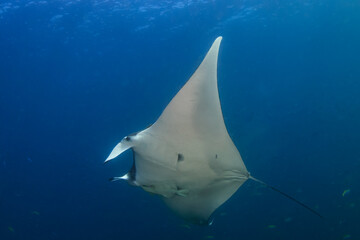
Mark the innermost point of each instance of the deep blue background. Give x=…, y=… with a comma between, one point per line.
x=77, y=76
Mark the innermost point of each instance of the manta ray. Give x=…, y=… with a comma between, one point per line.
x=187, y=156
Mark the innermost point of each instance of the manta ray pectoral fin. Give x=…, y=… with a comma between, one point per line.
x=121, y=147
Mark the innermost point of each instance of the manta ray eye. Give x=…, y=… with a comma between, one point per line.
x=127, y=138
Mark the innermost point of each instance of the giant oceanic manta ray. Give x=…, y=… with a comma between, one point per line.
x=187, y=155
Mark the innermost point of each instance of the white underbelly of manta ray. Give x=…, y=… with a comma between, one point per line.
x=187, y=155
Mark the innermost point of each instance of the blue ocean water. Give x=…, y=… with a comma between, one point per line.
x=77, y=76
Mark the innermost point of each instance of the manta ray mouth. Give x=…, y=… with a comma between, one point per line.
x=132, y=173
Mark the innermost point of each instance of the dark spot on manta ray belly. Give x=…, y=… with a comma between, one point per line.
x=216, y=156
x=127, y=138
x=180, y=157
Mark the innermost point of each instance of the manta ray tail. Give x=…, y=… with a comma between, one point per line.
x=286, y=195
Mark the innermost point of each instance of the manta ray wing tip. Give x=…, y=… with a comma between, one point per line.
x=108, y=159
